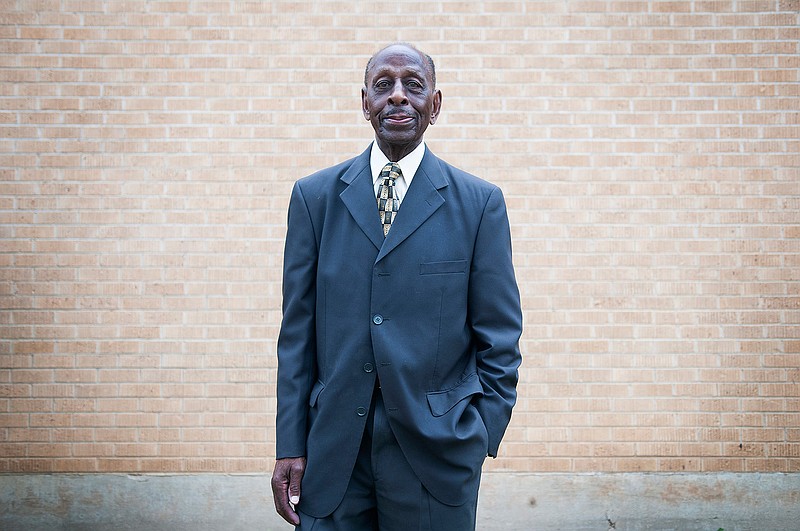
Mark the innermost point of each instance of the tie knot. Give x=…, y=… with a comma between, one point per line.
x=391, y=171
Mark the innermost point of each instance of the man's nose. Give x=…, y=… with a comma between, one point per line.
x=398, y=95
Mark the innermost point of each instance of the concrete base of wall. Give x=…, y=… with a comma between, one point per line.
x=524, y=502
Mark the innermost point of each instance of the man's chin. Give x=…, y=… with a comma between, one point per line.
x=398, y=137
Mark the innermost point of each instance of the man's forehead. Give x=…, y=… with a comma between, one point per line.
x=398, y=56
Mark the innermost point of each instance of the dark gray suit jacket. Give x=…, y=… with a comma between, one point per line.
x=433, y=310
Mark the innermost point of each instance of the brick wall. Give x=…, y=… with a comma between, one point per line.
x=648, y=151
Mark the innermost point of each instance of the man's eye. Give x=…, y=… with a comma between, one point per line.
x=382, y=84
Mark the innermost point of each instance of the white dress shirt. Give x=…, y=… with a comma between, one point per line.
x=408, y=166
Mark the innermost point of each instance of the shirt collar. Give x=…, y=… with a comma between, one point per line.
x=408, y=164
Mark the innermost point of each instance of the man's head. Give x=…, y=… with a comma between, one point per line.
x=400, y=98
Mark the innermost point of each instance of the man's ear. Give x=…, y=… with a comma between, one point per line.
x=364, y=106
x=437, y=106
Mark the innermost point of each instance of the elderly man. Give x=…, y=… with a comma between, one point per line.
x=398, y=351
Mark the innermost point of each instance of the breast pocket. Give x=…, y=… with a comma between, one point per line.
x=448, y=267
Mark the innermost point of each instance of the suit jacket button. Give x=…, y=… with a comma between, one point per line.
x=377, y=318
x=361, y=411
x=368, y=367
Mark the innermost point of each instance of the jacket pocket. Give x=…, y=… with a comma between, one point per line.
x=441, y=402
x=315, y=391
x=443, y=268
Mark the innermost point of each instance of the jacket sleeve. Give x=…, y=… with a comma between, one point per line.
x=495, y=317
x=297, y=338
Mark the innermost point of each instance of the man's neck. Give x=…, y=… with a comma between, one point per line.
x=396, y=152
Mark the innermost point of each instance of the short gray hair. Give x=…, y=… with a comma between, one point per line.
x=431, y=66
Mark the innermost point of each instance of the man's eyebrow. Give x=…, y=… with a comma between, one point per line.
x=410, y=70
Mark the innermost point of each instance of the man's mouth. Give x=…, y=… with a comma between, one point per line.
x=398, y=119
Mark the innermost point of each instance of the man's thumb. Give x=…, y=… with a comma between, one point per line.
x=295, y=477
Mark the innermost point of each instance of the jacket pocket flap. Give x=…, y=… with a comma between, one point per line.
x=441, y=402
x=315, y=391
x=441, y=268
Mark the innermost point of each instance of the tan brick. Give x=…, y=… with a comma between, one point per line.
x=647, y=151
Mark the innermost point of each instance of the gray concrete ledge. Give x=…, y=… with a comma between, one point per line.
x=523, y=502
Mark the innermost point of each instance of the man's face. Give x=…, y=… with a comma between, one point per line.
x=400, y=99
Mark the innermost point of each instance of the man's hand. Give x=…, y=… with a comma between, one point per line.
x=286, y=486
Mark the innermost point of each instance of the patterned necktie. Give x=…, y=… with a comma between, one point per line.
x=387, y=195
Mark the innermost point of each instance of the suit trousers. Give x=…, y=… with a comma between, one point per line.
x=384, y=493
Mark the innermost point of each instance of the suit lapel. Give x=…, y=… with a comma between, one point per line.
x=359, y=198
x=421, y=201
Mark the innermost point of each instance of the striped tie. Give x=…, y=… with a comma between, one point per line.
x=387, y=196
